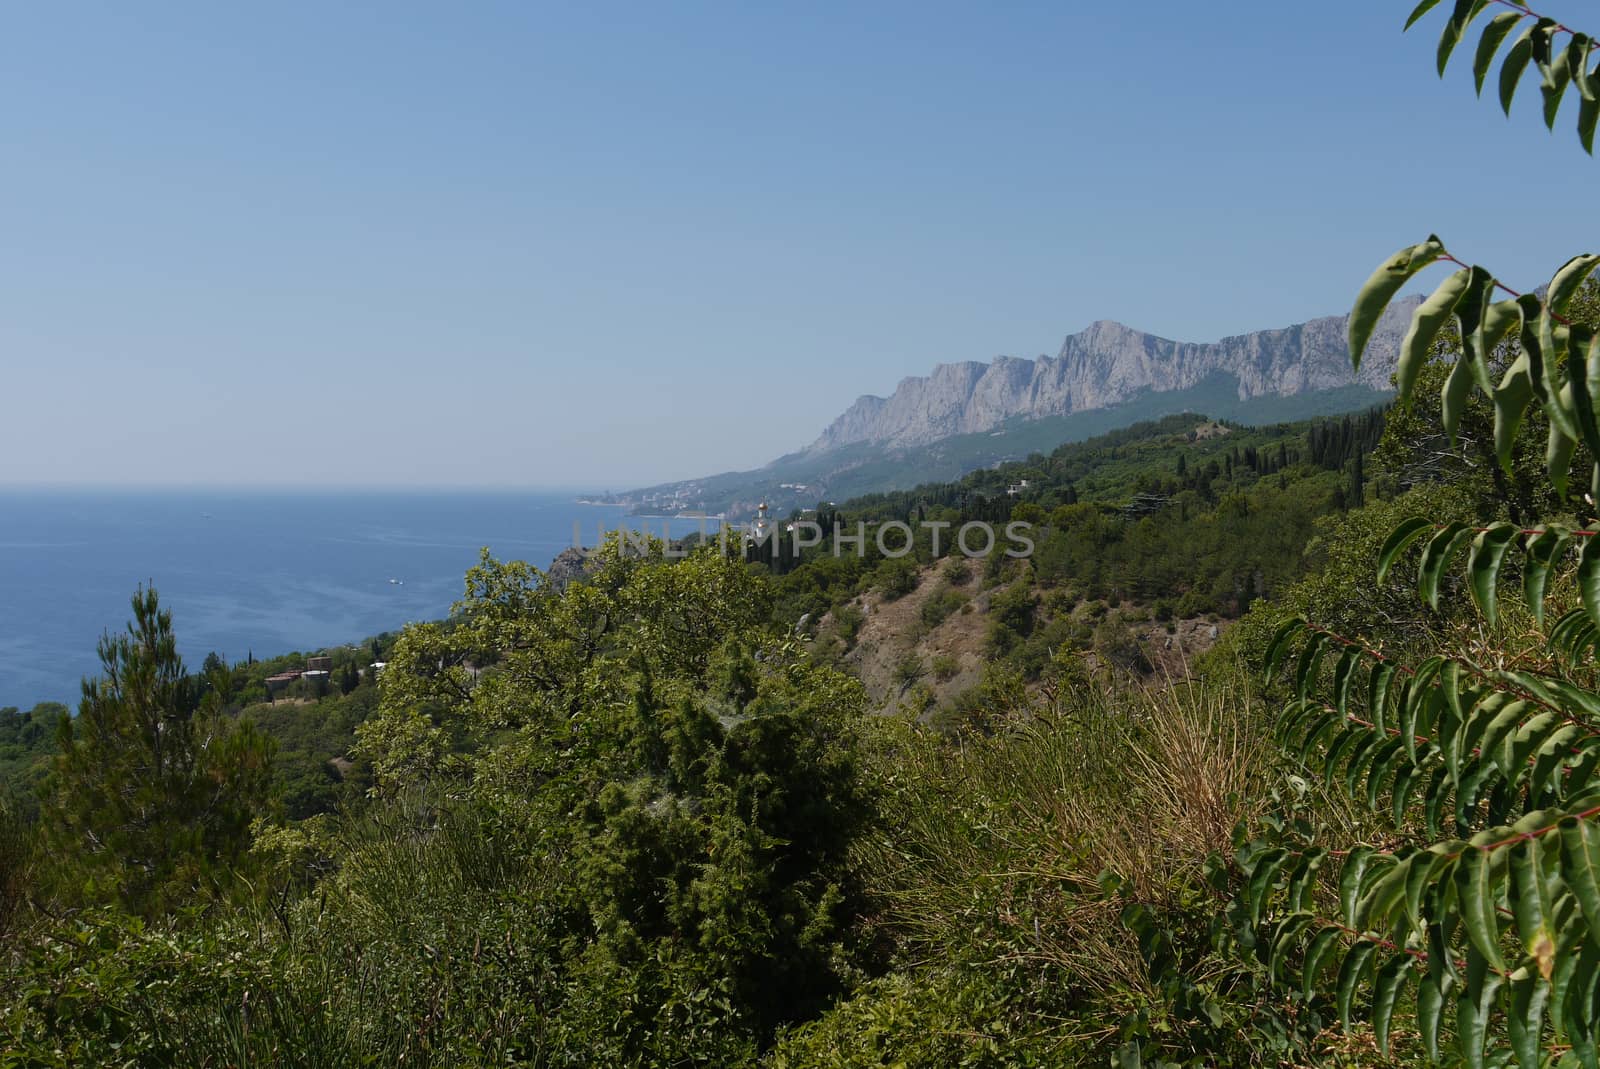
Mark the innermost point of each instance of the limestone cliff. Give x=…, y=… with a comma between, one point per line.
x=1108, y=363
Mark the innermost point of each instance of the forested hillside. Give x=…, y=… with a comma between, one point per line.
x=652, y=815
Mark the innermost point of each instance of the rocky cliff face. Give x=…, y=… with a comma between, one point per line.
x=1109, y=363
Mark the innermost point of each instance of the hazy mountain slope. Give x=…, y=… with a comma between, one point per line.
x=972, y=415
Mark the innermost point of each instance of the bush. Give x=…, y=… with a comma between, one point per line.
x=940, y=606
x=848, y=619
x=895, y=578
x=909, y=670
x=1117, y=646
x=16, y=863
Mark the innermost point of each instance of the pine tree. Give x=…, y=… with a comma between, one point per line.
x=152, y=789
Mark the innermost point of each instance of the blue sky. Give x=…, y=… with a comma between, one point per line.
x=604, y=245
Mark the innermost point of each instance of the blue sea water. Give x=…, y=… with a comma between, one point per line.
x=252, y=572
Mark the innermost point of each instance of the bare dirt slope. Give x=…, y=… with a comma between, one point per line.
x=896, y=649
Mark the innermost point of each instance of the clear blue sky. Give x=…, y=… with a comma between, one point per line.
x=604, y=245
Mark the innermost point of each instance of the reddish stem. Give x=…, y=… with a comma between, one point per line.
x=1563, y=320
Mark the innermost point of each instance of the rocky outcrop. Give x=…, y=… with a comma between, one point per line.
x=1109, y=363
x=571, y=565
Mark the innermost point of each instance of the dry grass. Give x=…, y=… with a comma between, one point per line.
x=1001, y=842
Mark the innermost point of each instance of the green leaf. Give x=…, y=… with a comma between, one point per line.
x=1426, y=868
x=1511, y=70
x=1519, y=748
x=1525, y=1019
x=1319, y=728
x=1380, y=289
x=1538, y=344
x=1494, y=36
x=1574, y=638
x=1401, y=537
x=1567, y=963
x=1385, y=760
x=1431, y=991
x=1588, y=117
x=1577, y=60
x=1404, y=780
x=1483, y=708
x=1384, y=891
x=1533, y=900
x=1303, y=880
x=1568, y=280
x=1553, y=753
x=1562, y=693
x=1510, y=401
x=1500, y=730
x=1543, y=549
x=1420, y=10
x=1378, y=692
x=1309, y=667
x=1433, y=800
x=1262, y=880
x=1589, y=577
x=1580, y=865
x=1426, y=322
x=1284, y=941
x=1280, y=642
x=1554, y=86
x=1392, y=977
x=1356, y=737
x=1558, y=458
x=1465, y=11
x=1355, y=866
x=1436, y=558
x=1316, y=955
x=1343, y=673
x=1475, y=890
x=1500, y=319
x=1583, y=361
x=1577, y=1012
x=1471, y=316
x=1483, y=565
x=1453, y=396
x=1474, y=1006
x=1356, y=962
x=1441, y=936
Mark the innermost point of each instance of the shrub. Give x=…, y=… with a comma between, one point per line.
x=895, y=578
x=939, y=606
x=1117, y=646
x=908, y=670
x=848, y=619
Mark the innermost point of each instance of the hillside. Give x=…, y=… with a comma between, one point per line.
x=1150, y=540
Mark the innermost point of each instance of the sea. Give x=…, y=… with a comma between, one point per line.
x=262, y=573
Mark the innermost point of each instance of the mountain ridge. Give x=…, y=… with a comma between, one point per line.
x=972, y=414
x=1108, y=363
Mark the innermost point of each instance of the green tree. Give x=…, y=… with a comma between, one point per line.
x=686, y=779
x=153, y=790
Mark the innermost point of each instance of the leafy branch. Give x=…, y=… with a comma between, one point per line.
x=1536, y=46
